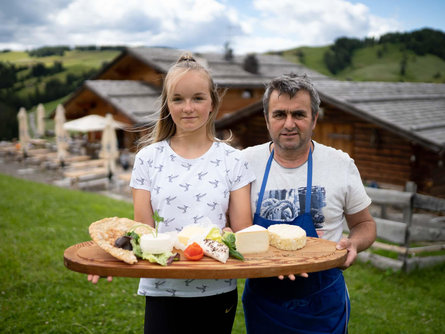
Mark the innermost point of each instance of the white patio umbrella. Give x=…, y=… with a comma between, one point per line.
x=61, y=135
x=40, y=120
x=109, y=150
x=24, y=137
x=90, y=123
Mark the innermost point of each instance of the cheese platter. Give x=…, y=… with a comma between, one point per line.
x=318, y=254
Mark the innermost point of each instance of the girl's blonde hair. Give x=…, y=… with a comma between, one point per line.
x=165, y=128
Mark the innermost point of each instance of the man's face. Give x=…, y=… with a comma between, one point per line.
x=289, y=121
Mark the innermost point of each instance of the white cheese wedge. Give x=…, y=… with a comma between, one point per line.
x=287, y=237
x=156, y=245
x=215, y=250
x=190, y=231
x=253, y=239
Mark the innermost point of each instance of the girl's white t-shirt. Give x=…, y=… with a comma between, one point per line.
x=186, y=191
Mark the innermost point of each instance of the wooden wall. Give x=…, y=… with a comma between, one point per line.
x=247, y=132
x=236, y=99
x=131, y=68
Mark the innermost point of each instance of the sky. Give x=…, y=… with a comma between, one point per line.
x=254, y=26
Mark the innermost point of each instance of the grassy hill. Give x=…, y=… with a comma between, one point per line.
x=375, y=63
x=74, y=62
x=29, y=89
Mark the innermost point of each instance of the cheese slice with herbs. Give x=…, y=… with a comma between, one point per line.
x=215, y=250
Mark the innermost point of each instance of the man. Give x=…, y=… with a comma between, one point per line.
x=285, y=169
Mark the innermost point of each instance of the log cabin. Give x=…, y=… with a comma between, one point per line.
x=395, y=132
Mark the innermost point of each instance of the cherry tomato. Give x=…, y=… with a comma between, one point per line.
x=194, y=252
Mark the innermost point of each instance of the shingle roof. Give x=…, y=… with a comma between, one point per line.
x=225, y=73
x=135, y=99
x=413, y=110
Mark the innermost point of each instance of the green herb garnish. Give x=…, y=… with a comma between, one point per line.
x=158, y=219
x=229, y=239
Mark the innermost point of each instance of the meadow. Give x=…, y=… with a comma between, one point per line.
x=39, y=295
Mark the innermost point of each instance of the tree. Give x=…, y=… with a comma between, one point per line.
x=251, y=64
x=8, y=75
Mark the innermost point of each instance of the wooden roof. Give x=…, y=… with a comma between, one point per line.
x=415, y=111
x=225, y=73
x=137, y=100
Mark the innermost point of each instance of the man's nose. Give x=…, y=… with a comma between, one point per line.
x=289, y=122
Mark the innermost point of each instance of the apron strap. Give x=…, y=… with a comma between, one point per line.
x=307, y=208
x=263, y=185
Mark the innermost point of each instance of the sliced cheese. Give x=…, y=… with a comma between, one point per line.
x=287, y=237
x=215, y=250
x=253, y=239
x=156, y=245
x=190, y=231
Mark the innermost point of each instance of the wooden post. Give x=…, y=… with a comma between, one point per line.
x=410, y=187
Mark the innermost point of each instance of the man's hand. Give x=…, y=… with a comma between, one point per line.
x=346, y=243
x=292, y=276
x=95, y=278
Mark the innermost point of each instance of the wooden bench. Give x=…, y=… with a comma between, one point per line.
x=55, y=162
x=88, y=164
x=76, y=176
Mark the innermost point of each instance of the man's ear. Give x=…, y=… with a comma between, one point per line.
x=267, y=121
x=315, y=121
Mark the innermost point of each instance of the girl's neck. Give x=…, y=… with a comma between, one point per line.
x=190, y=146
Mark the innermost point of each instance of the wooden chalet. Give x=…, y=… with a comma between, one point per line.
x=395, y=132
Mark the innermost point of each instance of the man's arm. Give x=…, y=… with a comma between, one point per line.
x=362, y=234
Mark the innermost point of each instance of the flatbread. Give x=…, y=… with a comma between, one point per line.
x=104, y=232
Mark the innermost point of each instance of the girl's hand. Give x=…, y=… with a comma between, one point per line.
x=95, y=278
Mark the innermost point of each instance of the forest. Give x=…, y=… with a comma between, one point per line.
x=421, y=42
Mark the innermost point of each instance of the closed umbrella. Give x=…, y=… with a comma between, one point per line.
x=24, y=137
x=40, y=120
x=109, y=150
x=61, y=135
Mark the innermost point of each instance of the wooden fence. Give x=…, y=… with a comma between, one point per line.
x=409, y=224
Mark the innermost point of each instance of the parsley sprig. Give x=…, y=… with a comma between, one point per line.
x=158, y=219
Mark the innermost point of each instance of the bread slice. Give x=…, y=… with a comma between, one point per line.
x=104, y=232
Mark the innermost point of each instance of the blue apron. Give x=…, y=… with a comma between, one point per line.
x=317, y=304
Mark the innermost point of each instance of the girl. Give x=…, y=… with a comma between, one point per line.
x=185, y=174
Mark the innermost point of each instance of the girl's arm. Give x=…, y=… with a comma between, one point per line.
x=240, y=213
x=143, y=211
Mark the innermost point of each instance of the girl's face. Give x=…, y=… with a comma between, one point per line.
x=190, y=103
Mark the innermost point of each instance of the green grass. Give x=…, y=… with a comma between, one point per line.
x=73, y=58
x=367, y=66
x=39, y=295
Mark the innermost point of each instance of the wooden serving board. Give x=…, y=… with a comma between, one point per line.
x=318, y=254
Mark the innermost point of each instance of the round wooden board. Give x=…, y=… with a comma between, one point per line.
x=318, y=254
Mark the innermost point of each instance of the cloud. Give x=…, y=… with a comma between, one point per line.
x=290, y=23
x=196, y=25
